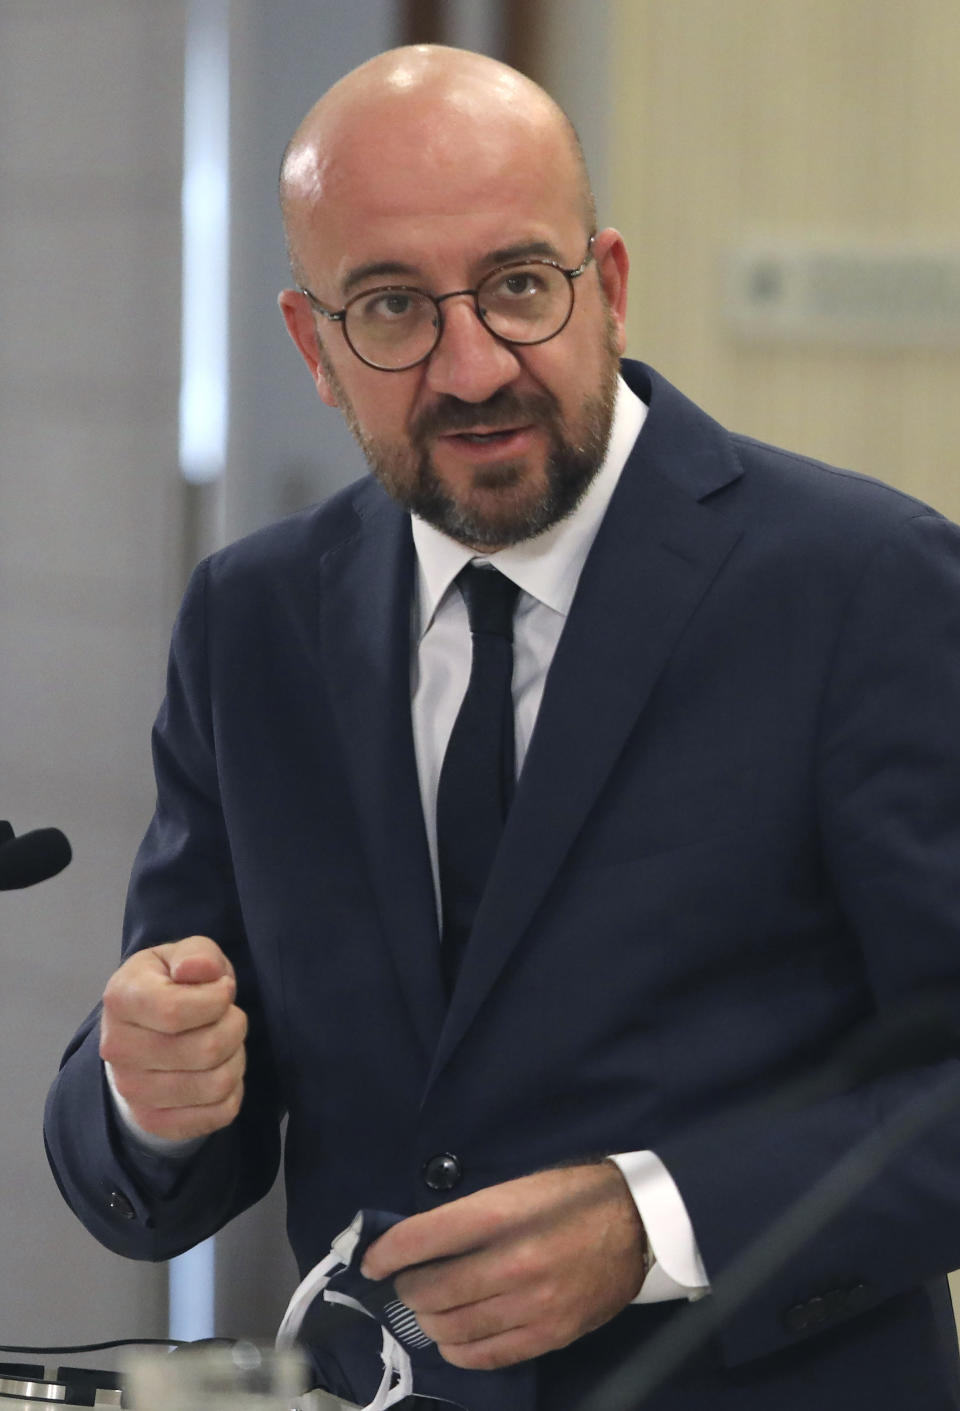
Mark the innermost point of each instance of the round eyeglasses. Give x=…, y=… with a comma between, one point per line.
x=397, y=326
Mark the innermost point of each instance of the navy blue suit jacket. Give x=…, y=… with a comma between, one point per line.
x=735, y=837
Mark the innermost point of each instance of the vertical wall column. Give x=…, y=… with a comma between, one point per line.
x=90, y=110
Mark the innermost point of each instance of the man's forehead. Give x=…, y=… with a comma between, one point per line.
x=464, y=166
x=475, y=207
x=383, y=187
x=442, y=221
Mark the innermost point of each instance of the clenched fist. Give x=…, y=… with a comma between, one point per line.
x=175, y=1039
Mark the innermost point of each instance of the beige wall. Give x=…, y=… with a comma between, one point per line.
x=835, y=120
x=798, y=119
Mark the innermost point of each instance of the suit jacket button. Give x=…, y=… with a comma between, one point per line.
x=121, y=1206
x=443, y=1171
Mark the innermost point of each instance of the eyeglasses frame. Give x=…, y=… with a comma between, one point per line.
x=340, y=315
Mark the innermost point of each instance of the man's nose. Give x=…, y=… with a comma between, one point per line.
x=469, y=362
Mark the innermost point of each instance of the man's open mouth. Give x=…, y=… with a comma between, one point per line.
x=480, y=438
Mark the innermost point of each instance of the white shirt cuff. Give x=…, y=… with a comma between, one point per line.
x=157, y=1146
x=677, y=1271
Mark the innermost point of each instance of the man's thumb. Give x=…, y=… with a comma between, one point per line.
x=196, y=960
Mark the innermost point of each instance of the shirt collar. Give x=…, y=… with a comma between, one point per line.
x=547, y=567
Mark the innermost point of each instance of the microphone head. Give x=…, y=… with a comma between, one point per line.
x=31, y=858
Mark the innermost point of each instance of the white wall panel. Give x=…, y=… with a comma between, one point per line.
x=89, y=531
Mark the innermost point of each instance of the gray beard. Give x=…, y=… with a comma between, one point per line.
x=411, y=478
x=569, y=470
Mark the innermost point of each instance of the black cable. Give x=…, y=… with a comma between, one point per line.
x=116, y=1342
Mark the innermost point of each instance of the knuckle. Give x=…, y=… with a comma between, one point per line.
x=457, y=1354
x=120, y=989
x=208, y=1049
x=230, y=1107
x=413, y=1290
x=472, y=1356
x=231, y=1031
x=543, y=1297
x=119, y=1046
x=524, y=1262
x=433, y=1325
x=166, y=1011
x=222, y=1087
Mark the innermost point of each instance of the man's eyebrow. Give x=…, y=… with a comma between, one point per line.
x=396, y=269
x=524, y=250
x=385, y=269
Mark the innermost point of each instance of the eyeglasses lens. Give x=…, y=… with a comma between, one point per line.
x=396, y=328
x=525, y=303
x=392, y=328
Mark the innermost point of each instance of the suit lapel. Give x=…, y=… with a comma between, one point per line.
x=366, y=593
x=655, y=556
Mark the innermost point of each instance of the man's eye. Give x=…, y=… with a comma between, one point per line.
x=390, y=307
x=519, y=284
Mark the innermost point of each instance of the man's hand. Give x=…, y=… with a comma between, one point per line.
x=175, y=1039
x=520, y=1268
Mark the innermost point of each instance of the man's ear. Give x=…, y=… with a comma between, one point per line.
x=301, y=325
x=613, y=267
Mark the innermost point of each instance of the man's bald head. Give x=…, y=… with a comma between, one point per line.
x=409, y=107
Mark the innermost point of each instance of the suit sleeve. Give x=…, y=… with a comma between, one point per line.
x=888, y=789
x=182, y=884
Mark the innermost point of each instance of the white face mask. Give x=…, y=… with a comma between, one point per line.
x=337, y=1279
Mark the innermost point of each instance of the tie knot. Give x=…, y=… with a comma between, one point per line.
x=490, y=598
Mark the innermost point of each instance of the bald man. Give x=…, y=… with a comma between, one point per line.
x=732, y=839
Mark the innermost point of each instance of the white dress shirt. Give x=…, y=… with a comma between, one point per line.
x=547, y=571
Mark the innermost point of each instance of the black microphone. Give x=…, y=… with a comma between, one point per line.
x=33, y=857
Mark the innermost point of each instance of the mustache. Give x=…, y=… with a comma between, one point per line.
x=505, y=408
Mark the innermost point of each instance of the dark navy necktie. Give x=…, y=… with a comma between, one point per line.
x=476, y=780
